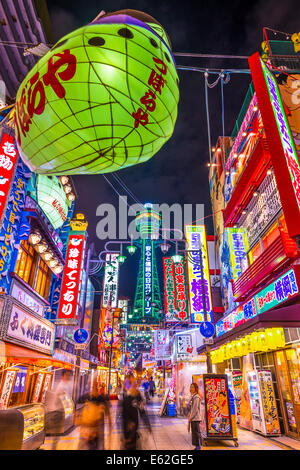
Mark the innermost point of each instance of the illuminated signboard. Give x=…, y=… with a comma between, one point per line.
x=10, y=230
x=8, y=159
x=70, y=289
x=162, y=345
x=111, y=280
x=170, y=296
x=148, y=253
x=282, y=149
x=238, y=244
x=176, y=296
x=123, y=304
x=284, y=131
x=52, y=199
x=196, y=234
x=282, y=289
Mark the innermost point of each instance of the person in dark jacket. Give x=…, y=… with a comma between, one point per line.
x=194, y=416
x=132, y=410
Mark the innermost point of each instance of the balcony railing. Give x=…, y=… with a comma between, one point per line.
x=279, y=253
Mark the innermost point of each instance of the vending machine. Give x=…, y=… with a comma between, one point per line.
x=263, y=404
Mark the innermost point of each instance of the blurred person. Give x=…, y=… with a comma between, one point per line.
x=146, y=389
x=92, y=421
x=127, y=383
x=194, y=416
x=152, y=387
x=132, y=410
x=54, y=411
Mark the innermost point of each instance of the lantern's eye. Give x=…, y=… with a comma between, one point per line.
x=59, y=44
x=153, y=42
x=96, y=41
x=125, y=33
x=167, y=57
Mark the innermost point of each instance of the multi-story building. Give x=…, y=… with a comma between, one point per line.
x=254, y=182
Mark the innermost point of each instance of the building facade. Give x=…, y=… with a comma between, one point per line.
x=254, y=180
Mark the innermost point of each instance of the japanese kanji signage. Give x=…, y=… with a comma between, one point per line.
x=268, y=403
x=238, y=244
x=7, y=387
x=282, y=289
x=196, y=235
x=111, y=280
x=29, y=330
x=185, y=346
x=8, y=160
x=11, y=223
x=71, y=284
x=282, y=148
x=176, y=297
x=162, y=345
x=148, y=247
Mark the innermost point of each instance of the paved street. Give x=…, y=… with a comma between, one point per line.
x=171, y=434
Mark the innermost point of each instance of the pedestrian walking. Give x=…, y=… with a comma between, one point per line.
x=194, y=416
x=132, y=410
x=146, y=389
x=54, y=412
x=92, y=421
x=152, y=387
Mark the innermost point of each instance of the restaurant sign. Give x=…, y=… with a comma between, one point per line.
x=281, y=290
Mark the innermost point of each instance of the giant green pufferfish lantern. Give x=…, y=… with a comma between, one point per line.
x=103, y=98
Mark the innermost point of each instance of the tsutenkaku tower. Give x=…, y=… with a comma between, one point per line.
x=147, y=302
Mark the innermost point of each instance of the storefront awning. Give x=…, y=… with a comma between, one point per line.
x=14, y=354
x=286, y=317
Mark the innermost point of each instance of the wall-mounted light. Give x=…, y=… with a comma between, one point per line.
x=47, y=255
x=64, y=179
x=35, y=238
x=164, y=248
x=42, y=247
x=131, y=249
x=58, y=269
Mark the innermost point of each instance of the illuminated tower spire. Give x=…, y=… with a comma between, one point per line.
x=147, y=302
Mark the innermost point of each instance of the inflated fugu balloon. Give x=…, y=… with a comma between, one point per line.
x=103, y=98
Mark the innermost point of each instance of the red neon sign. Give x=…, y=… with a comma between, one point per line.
x=71, y=284
x=282, y=151
x=8, y=160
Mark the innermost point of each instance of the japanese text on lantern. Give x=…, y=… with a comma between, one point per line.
x=60, y=68
x=70, y=289
x=156, y=82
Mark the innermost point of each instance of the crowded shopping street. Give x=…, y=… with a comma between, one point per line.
x=149, y=229
x=171, y=434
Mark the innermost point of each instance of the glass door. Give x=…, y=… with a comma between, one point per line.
x=287, y=383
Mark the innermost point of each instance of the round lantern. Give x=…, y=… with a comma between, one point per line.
x=103, y=98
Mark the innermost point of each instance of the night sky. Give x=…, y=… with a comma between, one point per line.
x=178, y=172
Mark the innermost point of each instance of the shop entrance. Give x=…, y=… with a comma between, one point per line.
x=288, y=371
x=266, y=361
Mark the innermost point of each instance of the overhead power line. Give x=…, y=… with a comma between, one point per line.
x=210, y=56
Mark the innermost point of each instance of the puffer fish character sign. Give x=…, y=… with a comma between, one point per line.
x=105, y=97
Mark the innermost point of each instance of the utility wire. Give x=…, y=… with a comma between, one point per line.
x=209, y=56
